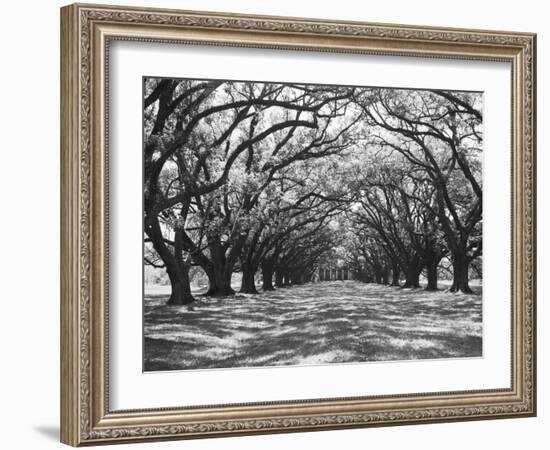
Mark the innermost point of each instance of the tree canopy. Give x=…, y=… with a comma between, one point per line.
x=277, y=179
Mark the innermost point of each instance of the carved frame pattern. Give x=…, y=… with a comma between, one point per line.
x=86, y=418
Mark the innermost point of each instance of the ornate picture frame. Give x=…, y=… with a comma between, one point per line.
x=86, y=33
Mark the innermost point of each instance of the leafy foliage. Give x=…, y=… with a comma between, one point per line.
x=286, y=177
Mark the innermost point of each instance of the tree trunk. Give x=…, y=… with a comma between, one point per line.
x=460, y=274
x=431, y=271
x=279, y=278
x=220, y=282
x=221, y=271
x=286, y=279
x=248, y=284
x=412, y=277
x=385, y=276
x=296, y=277
x=267, y=275
x=395, y=273
x=181, y=290
x=177, y=271
x=378, y=276
x=308, y=276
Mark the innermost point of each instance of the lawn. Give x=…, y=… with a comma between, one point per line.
x=320, y=323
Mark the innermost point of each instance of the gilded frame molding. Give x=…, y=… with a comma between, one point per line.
x=85, y=33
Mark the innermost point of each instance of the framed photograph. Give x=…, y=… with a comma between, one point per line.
x=275, y=224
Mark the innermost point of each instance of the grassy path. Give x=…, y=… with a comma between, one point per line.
x=332, y=322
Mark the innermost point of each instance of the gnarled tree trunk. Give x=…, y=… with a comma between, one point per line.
x=431, y=273
x=385, y=276
x=286, y=279
x=461, y=265
x=220, y=281
x=176, y=268
x=279, y=278
x=395, y=274
x=248, y=283
x=267, y=275
x=221, y=267
x=412, y=276
x=181, y=291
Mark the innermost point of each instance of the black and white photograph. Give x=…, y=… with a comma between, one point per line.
x=292, y=224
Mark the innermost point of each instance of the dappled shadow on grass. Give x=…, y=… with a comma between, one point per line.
x=331, y=322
